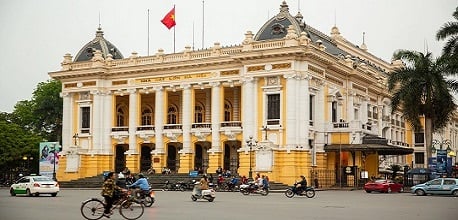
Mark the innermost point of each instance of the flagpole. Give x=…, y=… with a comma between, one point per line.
x=148, y=34
x=203, y=23
x=174, y=31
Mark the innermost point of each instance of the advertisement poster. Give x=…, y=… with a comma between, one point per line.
x=441, y=161
x=49, y=158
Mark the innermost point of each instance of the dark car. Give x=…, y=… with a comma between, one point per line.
x=383, y=185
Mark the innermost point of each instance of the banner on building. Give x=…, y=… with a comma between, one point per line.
x=49, y=158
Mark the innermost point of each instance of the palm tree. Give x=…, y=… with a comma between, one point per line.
x=420, y=89
x=395, y=168
x=450, y=30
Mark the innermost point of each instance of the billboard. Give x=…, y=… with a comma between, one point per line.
x=49, y=158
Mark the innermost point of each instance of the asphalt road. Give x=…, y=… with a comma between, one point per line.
x=351, y=205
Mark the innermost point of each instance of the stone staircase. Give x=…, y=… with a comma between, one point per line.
x=156, y=181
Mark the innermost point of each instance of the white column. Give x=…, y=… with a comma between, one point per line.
x=249, y=109
x=236, y=105
x=291, y=110
x=208, y=107
x=216, y=115
x=67, y=123
x=159, y=119
x=350, y=107
x=364, y=110
x=97, y=115
x=133, y=120
x=187, y=117
x=107, y=122
x=303, y=110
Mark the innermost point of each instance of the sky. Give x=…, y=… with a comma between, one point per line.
x=35, y=35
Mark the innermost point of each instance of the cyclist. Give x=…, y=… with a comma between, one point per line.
x=143, y=185
x=108, y=192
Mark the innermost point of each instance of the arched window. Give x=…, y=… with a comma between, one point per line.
x=199, y=113
x=227, y=111
x=120, y=117
x=147, y=116
x=172, y=115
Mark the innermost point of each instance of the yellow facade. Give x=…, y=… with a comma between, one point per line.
x=306, y=100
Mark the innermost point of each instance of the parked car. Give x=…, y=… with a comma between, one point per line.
x=383, y=185
x=439, y=186
x=34, y=185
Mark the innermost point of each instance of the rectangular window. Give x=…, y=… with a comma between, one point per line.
x=419, y=158
x=85, y=119
x=419, y=138
x=334, y=111
x=273, y=109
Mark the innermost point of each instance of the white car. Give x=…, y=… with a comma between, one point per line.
x=34, y=185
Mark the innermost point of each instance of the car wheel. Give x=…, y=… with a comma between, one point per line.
x=368, y=191
x=36, y=194
x=12, y=193
x=27, y=192
x=53, y=194
x=455, y=193
x=420, y=192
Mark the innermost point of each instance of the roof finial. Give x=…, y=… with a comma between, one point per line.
x=363, y=46
x=99, y=22
x=284, y=7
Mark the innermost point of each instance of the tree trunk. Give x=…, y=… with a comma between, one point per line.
x=428, y=139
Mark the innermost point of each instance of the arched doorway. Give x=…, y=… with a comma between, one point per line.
x=173, y=159
x=198, y=157
x=145, y=157
x=231, y=156
x=201, y=156
x=120, y=157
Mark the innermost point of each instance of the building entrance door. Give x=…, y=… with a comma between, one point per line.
x=120, y=157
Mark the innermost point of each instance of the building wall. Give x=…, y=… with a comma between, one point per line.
x=348, y=91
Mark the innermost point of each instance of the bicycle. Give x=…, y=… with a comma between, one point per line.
x=129, y=207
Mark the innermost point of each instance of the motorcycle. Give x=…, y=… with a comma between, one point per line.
x=173, y=187
x=251, y=187
x=148, y=198
x=207, y=194
x=309, y=191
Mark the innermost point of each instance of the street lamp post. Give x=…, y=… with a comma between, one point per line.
x=54, y=177
x=251, y=143
x=27, y=160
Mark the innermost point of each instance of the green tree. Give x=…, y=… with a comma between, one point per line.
x=43, y=113
x=16, y=142
x=420, y=89
x=395, y=168
x=449, y=31
x=48, y=108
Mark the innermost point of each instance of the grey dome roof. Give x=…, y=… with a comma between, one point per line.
x=277, y=28
x=98, y=43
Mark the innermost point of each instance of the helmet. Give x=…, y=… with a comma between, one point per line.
x=140, y=175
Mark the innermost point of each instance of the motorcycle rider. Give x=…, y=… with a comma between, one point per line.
x=302, y=184
x=143, y=185
x=202, y=186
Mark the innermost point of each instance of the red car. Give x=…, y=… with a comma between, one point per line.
x=386, y=186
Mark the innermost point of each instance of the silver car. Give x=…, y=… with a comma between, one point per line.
x=439, y=186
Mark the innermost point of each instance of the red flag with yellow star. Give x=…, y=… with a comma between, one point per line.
x=169, y=19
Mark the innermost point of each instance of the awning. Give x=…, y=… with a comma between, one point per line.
x=380, y=149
